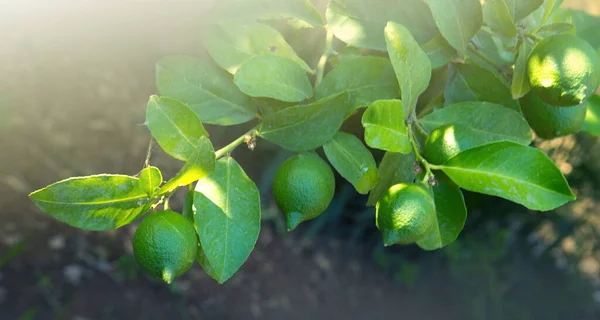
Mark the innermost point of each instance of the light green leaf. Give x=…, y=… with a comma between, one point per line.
x=361, y=23
x=99, y=202
x=592, y=116
x=549, y=7
x=555, y=28
x=410, y=62
x=353, y=161
x=490, y=121
x=496, y=14
x=521, y=174
x=519, y=9
x=385, y=128
x=457, y=20
x=587, y=27
x=520, y=85
x=274, y=77
x=439, y=51
x=298, y=13
x=150, y=179
x=206, y=89
x=227, y=216
x=451, y=214
x=365, y=78
x=393, y=169
x=233, y=44
x=306, y=127
x=469, y=82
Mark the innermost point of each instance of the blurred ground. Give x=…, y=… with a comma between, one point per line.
x=74, y=82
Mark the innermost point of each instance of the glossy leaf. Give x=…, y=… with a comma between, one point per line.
x=353, y=161
x=361, y=23
x=457, y=20
x=206, y=89
x=274, y=77
x=592, y=116
x=519, y=9
x=306, y=127
x=150, y=179
x=385, y=128
x=521, y=174
x=231, y=45
x=100, y=202
x=298, y=13
x=496, y=14
x=227, y=217
x=490, y=121
x=174, y=126
x=365, y=79
x=410, y=62
x=439, y=51
x=469, y=82
x=451, y=214
x=520, y=85
x=393, y=169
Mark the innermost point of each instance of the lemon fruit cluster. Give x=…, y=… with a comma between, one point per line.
x=165, y=245
x=405, y=214
x=303, y=187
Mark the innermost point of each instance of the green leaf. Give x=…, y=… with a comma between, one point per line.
x=487, y=120
x=353, y=161
x=439, y=51
x=520, y=85
x=227, y=216
x=99, y=202
x=306, y=127
x=233, y=44
x=150, y=179
x=496, y=14
x=521, y=174
x=385, y=128
x=592, y=116
x=205, y=88
x=457, y=20
x=410, y=62
x=298, y=13
x=365, y=78
x=469, y=82
x=274, y=77
x=361, y=23
x=198, y=167
x=393, y=169
x=175, y=127
x=451, y=214
x=188, y=205
x=550, y=7
x=519, y=9
x=587, y=27
x=555, y=28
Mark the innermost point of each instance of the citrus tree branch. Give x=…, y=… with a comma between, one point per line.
x=235, y=143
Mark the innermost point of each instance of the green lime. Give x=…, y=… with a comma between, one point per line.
x=165, y=245
x=549, y=121
x=563, y=70
x=303, y=188
x=405, y=213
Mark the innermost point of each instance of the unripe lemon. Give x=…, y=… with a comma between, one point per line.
x=563, y=70
x=405, y=213
x=449, y=140
x=549, y=121
x=303, y=188
x=165, y=245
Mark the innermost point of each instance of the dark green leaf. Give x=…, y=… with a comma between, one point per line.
x=306, y=127
x=469, y=82
x=385, y=128
x=451, y=214
x=100, y=202
x=496, y=14
x=439, y=51
x=520, y=85
x=188, y=205
x=231, y=45
x=524, y=175
x=360, y=23
x=150, y=179
x=393, y=169
x=207, y=90
x=490, y=121
x=410, y=62
x=365, y=78
x=457, y=20
x=592, y=116
x=227, y=216
x=274, y=77
x=353, y=161
x=555, y=28
x=519, y=9
x=299, y=13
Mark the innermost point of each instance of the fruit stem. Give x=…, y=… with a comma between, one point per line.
x=326, y=54
x=413, y=142
x=478, y=53
x=418, y=125
x=235, y=143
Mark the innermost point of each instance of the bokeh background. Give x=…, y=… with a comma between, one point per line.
x=75, y=77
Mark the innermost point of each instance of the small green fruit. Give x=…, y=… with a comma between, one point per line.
x=549, y=121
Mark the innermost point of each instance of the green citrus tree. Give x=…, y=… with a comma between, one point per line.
x=449, y=89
